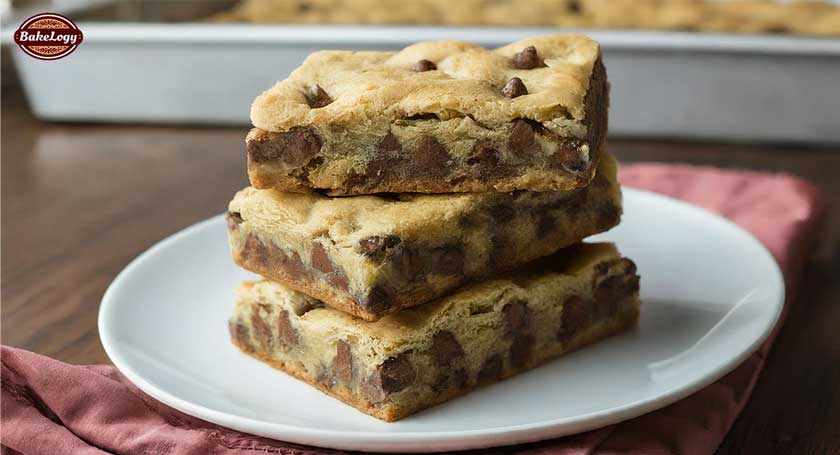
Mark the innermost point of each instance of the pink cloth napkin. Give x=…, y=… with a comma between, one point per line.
x=49, y=407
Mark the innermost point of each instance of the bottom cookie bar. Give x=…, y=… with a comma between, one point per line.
x=425, y=355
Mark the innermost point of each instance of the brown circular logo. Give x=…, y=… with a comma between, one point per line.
x=48, y=36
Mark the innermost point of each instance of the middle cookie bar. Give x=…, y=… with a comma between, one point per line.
x=373, y=255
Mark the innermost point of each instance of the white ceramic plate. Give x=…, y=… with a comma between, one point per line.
x=711, y=293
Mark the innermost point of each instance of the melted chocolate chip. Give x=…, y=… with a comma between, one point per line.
x=377, y=245
x=239, y=335
x=520, y=350
x=483, y=154
x=396, y=374
x=320, y=260
x=377, y=301
x=294, y=148
x=573, y=7
x=522, y=140
x=262, y=258
x=447, y=379
x=568, y=158
x=389, y=143
x=287, y=335
x=316, y=97
x=262, y=332
x=610, y=292
x=431, y=156
x=446, y=348
x=341, y=370
x=517, y=317
x=491, y=369
x=526, y=58
x=371, y=388
x=424, y=65
x=339, y=280
x=576, y=316
x=514, y=88
x=381, y=168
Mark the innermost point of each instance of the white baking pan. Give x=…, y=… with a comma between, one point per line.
x=664, y=84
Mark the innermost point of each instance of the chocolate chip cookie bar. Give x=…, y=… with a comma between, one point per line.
x=428, y=354
x=435, y=117
x=373, y=255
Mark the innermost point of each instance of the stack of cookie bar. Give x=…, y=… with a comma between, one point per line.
x=417, y=216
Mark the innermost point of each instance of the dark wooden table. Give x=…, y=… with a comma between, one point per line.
x=79, y=201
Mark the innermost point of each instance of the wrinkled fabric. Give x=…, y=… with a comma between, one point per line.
x=49, y=407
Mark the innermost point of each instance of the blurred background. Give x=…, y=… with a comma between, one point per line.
x=741, y=70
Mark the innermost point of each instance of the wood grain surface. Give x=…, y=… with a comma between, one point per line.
x=79, y=201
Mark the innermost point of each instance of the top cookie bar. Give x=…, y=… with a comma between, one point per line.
x=436, y=117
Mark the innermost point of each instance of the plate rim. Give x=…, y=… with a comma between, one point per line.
x=437, y=440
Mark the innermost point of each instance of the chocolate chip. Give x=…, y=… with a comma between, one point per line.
x=294, y=148
x=522, y=140
x=268, y=258
x=424, y=65
x=239, y=335
x=573, y=7
x=520, y=350
x=320, y=260
x=431, y=156
x=316, y=97
x=341, y=369
x=568, y=158
x=287, y=335
x=378, y=300
x=447, y=379
x=446, y=348
x=483, y=154
x=389, y=143
x=376, y=245
x=381, y=168
x=526, y=58
x=517, y=317
x=371, y=388
x=339, y=280
x=491, y=369
x=396, y=374
x=609, y=293
x=576, y=316
x=262, y=332
x=514, y=88
x=446, y=260
x=233, y=220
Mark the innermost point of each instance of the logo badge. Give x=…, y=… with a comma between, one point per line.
x=48, y=36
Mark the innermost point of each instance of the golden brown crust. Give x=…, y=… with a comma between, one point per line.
x=376, y=124
x=426, y=229
x=391, y=413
